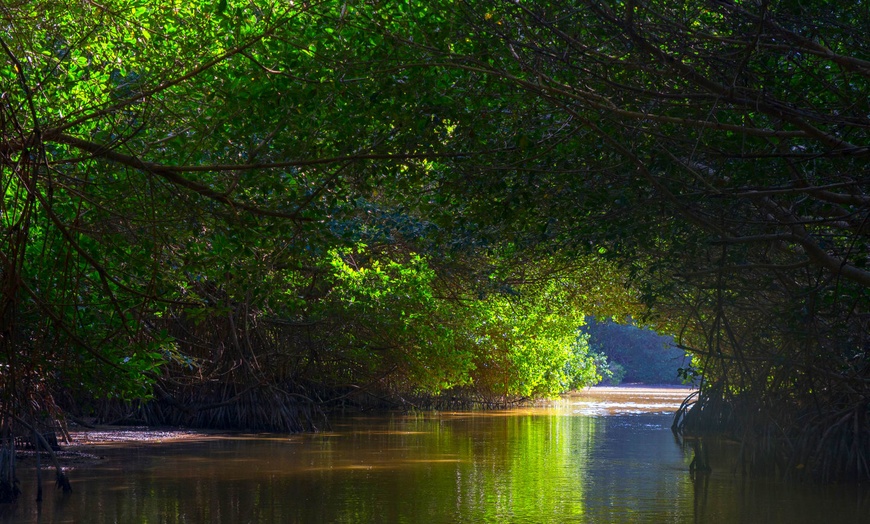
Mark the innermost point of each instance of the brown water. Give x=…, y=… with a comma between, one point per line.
x=603, y=457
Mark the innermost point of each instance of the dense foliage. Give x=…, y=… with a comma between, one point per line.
x=248, y=211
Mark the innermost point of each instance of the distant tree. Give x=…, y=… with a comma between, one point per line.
x=635, y=354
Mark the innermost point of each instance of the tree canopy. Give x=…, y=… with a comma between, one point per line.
x=237, y=213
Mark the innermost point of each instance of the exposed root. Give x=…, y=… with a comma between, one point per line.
x=40, y=441
x=829, y=446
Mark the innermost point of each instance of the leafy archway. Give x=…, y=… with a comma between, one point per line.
x=225, y=207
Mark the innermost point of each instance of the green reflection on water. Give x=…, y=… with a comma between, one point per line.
x=469, y=468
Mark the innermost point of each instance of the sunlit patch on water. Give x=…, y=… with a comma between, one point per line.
x=611, y=401
x=624, y=408
x=627, y=408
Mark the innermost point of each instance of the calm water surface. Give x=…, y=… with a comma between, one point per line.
x=606, y=456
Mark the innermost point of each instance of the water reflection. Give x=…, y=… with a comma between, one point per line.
x=588, y=459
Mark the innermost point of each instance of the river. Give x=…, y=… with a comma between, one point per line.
x=606, y=455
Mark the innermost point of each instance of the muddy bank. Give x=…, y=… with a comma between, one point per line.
x=93, y=437
x=85, y=445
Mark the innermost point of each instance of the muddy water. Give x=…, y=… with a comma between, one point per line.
x=604, y=456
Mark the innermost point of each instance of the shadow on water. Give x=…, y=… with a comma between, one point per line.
x=599, y=457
